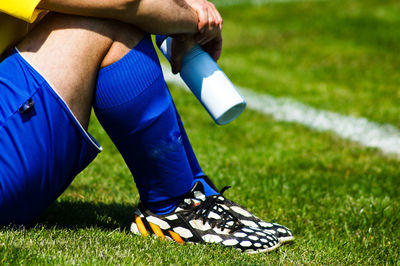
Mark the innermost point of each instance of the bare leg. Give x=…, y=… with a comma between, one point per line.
x=69, y=50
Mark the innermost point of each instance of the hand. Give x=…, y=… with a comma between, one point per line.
x=181, y=44
x=214, y=47
x=210, y=21
x=209, y=35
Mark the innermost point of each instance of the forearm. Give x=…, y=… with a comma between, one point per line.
x=153, y=16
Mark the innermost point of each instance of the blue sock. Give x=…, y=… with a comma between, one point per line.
x=135, y=108
x=194, y=164
x=208, y=190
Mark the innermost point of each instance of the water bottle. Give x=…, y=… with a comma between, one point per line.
x=207, y=82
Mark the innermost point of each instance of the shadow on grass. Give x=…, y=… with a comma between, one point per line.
x=76, y=215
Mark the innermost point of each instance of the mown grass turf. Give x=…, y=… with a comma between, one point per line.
x=338, y=55
x=341, y=200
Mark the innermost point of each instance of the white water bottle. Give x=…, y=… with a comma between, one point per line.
x=207, y=82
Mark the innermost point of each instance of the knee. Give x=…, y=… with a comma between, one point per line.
x=125, y=38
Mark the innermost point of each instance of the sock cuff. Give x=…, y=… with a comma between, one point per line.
x=163, y=207
x=125, y=79
x=208, y=190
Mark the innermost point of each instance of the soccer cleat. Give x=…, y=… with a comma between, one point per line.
x=201, y=219
x=283, y=233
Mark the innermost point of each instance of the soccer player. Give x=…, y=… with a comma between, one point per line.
x=47, y=86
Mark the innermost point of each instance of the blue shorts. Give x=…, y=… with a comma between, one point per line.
x=42, y=145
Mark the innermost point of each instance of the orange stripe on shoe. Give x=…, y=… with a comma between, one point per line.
x=176, y=237
x=157, y=230
x=140, y=225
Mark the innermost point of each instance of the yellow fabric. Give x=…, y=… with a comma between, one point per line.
x=14, y=18
x=21, y=9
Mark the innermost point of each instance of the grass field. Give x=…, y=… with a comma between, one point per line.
x=340, y=199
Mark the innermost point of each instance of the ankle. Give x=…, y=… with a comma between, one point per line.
x=163, y=207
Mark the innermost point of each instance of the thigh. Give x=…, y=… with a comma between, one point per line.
x=69, y=50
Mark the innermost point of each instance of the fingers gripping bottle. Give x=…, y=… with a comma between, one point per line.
x=207, y=82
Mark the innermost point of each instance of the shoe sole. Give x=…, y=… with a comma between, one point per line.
x=284, y=240
x=267, y=250
x=134, y=226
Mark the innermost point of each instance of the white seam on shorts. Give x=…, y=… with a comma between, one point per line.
x=69, y=110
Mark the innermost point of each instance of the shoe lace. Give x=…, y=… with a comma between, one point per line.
x=212, y=203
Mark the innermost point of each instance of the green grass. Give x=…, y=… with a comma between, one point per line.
x=337, y=55
x=340, y=199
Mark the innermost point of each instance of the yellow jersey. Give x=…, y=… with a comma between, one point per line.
x=15, y=15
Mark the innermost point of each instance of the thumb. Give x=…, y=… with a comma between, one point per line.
x=176, y=57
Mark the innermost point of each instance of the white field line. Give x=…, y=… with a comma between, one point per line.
x=227, y=3
x=371, y=134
